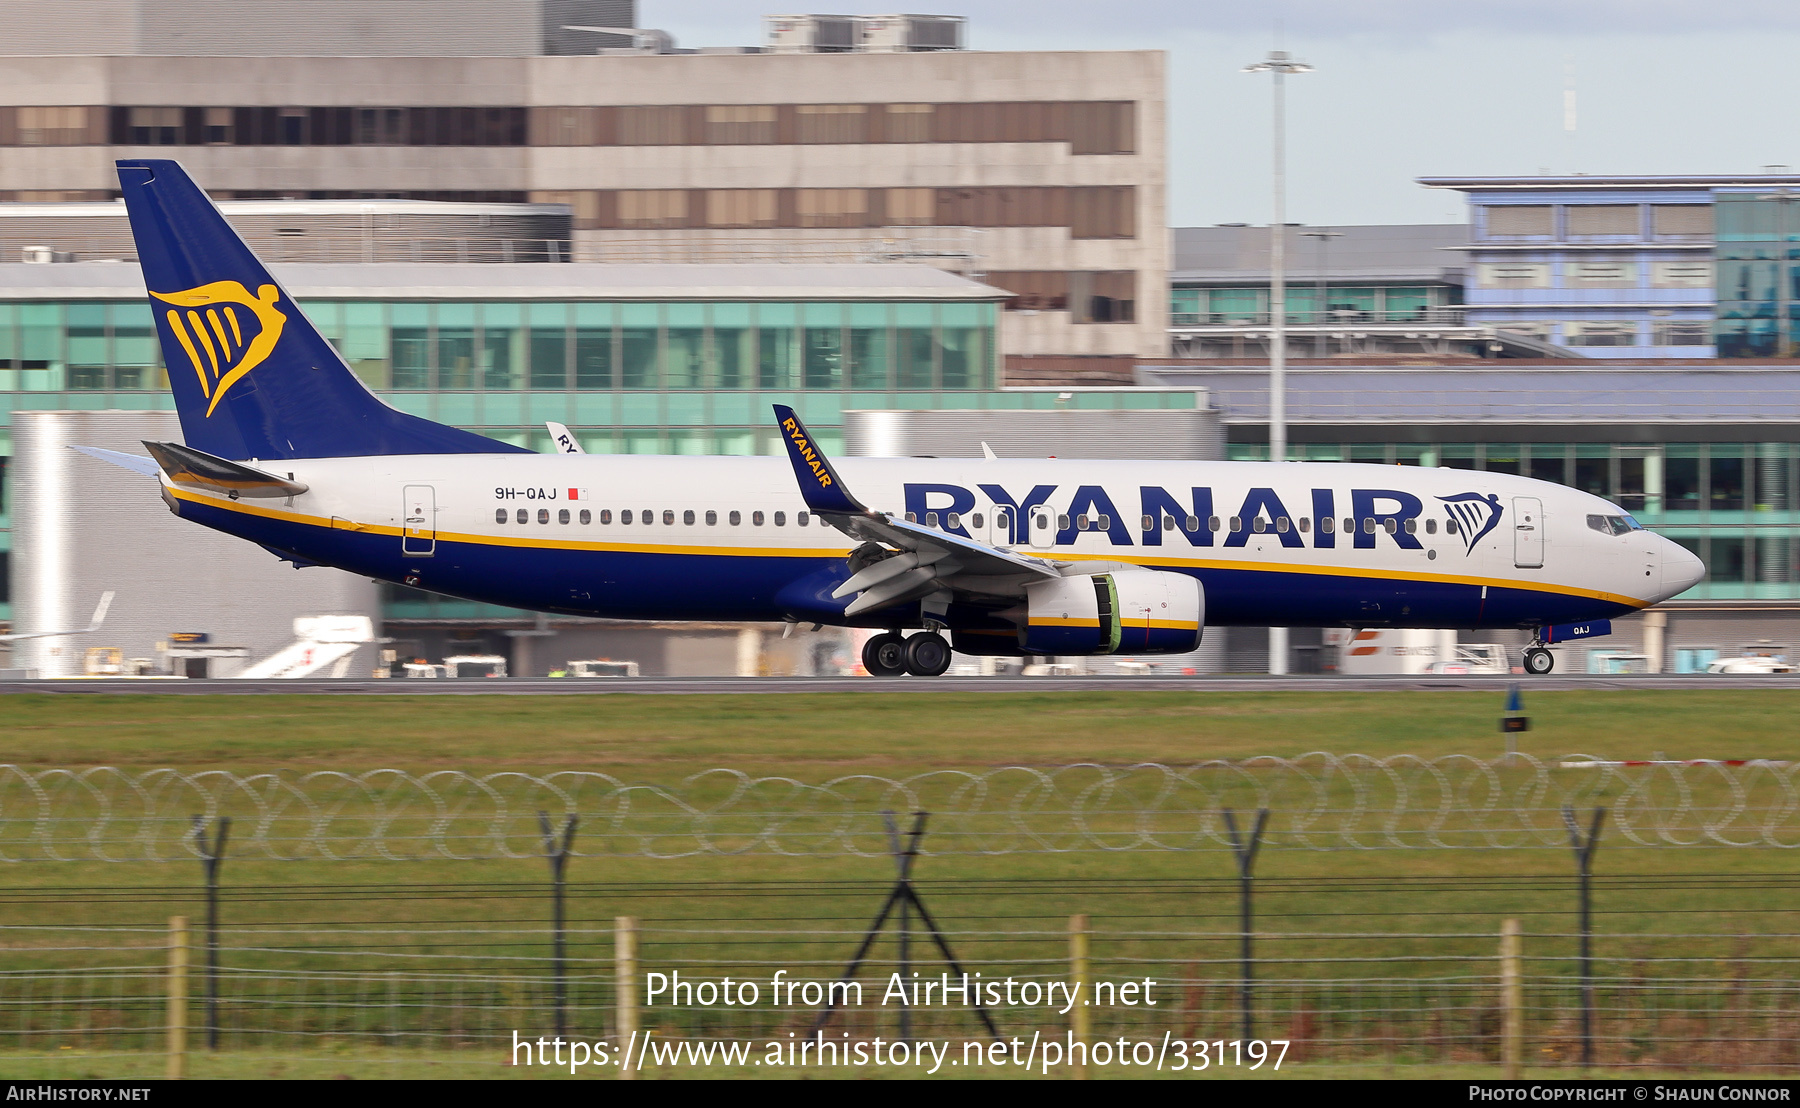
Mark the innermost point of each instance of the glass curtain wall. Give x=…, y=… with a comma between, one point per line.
x=1758, y=280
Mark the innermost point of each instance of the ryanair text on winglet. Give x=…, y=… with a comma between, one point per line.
x=806, y=452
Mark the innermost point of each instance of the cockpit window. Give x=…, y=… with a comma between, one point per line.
x=1613, y=525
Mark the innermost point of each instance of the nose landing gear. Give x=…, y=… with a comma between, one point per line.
x=1539, y=661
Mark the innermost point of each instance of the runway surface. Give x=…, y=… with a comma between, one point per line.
x=982, y=685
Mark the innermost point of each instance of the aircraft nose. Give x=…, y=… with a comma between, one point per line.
x=1682, y=569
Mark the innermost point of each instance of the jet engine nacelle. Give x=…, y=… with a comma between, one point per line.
x=1140, y=611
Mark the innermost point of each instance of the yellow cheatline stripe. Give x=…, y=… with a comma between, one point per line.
x=1365, y=574
x=237, y=336
x=193, y=319
x=839, y=552
x=187, y=344
x=1131, y=624
x=212, y=317
x=1045, y=621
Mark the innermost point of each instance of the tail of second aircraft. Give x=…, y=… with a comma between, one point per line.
x=252, y=377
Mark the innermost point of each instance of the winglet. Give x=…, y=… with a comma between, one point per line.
x=820, y=485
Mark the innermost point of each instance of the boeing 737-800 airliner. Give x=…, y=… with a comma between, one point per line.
x=285, y=447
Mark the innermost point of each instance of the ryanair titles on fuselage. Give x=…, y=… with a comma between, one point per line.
x=1093, y=508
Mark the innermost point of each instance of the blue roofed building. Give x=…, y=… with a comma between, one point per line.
x=1661, y=267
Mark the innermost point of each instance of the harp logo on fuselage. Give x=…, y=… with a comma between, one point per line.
x=225, y=331
x=1475, y=515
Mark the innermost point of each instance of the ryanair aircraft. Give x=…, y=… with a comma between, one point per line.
x=286, y=448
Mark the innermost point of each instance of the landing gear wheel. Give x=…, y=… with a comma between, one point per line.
x=927, y=655
x=885, y=655
x=1539, y=661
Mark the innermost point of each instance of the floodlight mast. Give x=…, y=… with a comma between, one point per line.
x=1279, y=65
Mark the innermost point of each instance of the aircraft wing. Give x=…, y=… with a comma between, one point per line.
x=106, y=599
x=907, y=561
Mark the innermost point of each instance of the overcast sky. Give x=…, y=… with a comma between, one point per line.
x=1409, y=88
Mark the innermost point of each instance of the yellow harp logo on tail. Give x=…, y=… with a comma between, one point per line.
x=214, y=328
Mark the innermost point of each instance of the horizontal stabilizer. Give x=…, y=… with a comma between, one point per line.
x=136, y=463
x=197, y=469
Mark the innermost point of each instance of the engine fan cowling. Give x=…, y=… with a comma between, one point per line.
x=1158, y=613
x=1138, y=611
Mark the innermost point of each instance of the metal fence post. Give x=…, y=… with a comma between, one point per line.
x=1081, y=1019
x=1584, y=860
x=557, y=850
x=211, y=855
x=1246, y=861
x=1512, y=1001
x=177, y=998
x=625, y=958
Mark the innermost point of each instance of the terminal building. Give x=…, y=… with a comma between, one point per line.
x=1633, y=268
x=1042, y=173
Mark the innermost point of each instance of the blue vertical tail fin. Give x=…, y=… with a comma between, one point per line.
x=252, y=377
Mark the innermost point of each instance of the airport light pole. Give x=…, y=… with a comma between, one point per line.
x=1279, y=65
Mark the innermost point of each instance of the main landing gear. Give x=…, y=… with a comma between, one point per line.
x=1539, y=661
x=891, y=654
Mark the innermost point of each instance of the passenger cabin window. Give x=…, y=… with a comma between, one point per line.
x=606, y=516
x=712, y=519
x=931, y=519
x=587, y=517
x=543, y=515
x=562, y=515
x=1327, y=525
x=1431, y=527
x=1412, y=526
x=781, y=519
x=1237, y=524
x=952, y=520
x=736, y=518
x=687, y=517
x=524, y=516
x=1081, y=523
x=1193, y=524
x=669, y=517
x=625, y=516
x=975, y=520
x=756, y=519
x=499, y=515
x=1305, y=524
x=1450, y=527
x=1212, y=523
x=1062, y=522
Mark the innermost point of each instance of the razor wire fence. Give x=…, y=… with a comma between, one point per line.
x=1316, y=802
x=1348, y=973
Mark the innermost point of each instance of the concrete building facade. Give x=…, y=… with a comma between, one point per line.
x=1039, y=173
